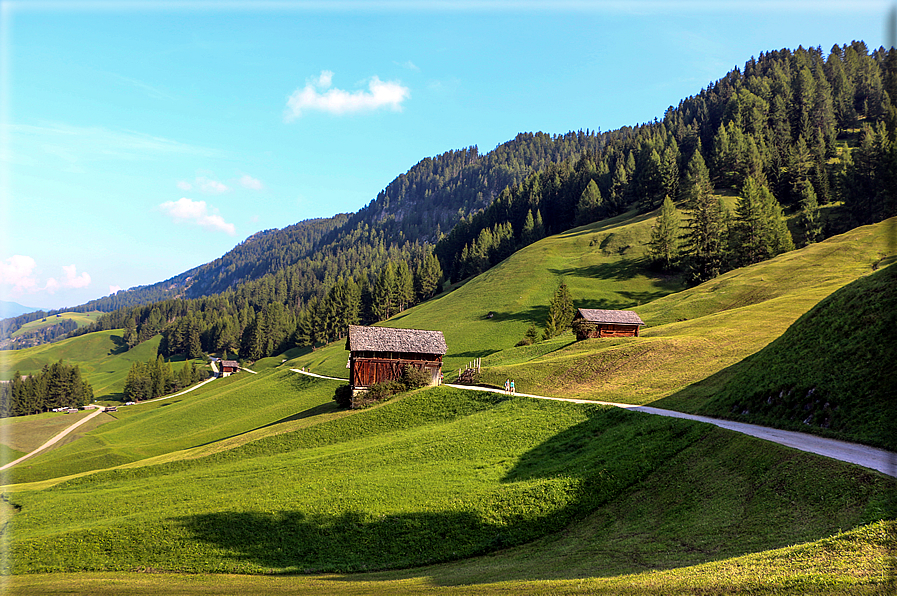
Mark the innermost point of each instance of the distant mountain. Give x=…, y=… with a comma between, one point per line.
x=14, y=309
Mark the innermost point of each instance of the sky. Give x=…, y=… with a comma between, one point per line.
x=141, y=139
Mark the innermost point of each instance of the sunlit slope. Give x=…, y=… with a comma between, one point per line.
x=212, y=417
x=101, y=356
x=80, y=318
x=442, y=475
x=694, y=335
x=603, y=264
x=831, y=372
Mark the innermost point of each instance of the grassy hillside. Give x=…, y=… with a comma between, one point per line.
x=80, y=318
x=693, y=337
x=831, y=371
x=442, y=475
x=102, y=357
x=218, y=415
x=603, y=264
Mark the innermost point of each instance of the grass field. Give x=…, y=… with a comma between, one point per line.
x=102, y=357
x=449, y=491
x=81, y=318
x=443, y=475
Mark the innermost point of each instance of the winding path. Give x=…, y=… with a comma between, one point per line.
x=854, y=453
x=54, y=439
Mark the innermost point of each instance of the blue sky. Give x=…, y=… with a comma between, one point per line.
x=140, y=139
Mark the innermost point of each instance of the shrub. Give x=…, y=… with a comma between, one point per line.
x=343, y=396
x=524, y=342
x=415, y=378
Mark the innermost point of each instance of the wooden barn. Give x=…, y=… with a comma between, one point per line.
x=378, y=354
x=594, y=322
x=229, y=367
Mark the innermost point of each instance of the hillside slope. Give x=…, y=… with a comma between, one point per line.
x=830, y=372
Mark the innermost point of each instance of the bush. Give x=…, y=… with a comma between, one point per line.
x=524, y=342
x=415, y=378
x=343, y=396
x=412, y=378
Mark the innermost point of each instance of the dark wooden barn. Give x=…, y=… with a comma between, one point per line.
x=594, y=322
x=379, y=354
x=229, y=367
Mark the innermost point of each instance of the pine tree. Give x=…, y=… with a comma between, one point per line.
x=560, y=312
x=664, y=243
x=705, y=228
x=428, y=276
x=588, y=208
x=404, y=286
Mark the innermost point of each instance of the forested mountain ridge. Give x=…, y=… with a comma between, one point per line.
x=775, y=132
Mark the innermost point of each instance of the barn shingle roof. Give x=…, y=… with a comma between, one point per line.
x=597, y=315
x=388, y=339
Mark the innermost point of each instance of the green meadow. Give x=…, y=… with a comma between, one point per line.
x=81, y=318
x=259, y=484
x=102, y=356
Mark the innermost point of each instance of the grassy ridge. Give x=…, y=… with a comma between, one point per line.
x=80, y=318
x=213, y=416
x=694, y=336
x=603, y=264
x=830, y=372
x=102, y=357
x=442, y=475
x=859, y=561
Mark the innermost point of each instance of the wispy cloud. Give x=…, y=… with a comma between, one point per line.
x=18, y=276
x=203, y=184
x=409, y=65
x=247, y=181
x=114, y=289
x=71, y=280
x=185, y=210
x=78, y=145
x=317, y=95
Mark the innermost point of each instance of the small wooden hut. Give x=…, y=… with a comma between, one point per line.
x=229, y=367
x=378, y=354
x=595, y=322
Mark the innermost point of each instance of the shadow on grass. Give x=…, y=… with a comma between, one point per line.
x=120, y=345
x=562, y=480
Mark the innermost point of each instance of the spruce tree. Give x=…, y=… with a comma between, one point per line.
x=706, y=223
x=664, y=243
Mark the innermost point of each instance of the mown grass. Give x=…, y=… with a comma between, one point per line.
x=222, y=410
x=693, y=337
x=80, y=318
x=443, y=475
x=603, y=264
x=102, y=357
x=830, y=372
x=857, y=562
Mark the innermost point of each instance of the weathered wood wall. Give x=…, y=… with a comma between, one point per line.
x=607, y=330
x=368, y=371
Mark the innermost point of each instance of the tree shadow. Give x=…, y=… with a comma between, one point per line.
x=120, y=345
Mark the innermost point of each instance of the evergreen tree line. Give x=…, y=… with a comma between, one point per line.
x=777, y=123
x=266, y=317
x=156, y=378
x=57, y=385
x=711, y=240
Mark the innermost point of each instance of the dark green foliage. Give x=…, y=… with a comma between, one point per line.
x=664, y=244
x=412, y=378
x=56, y=386
x=343, y=396
x=705, y=236
x=831, y=372
x=560, y=312
x=156, y=378
x=759, y=231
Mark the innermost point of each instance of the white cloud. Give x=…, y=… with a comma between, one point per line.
x=73, y=280
x=114, y=289
x=317, y=95
x=210, y=186
x=16, y=272
x=184, y=185
x=196, y=212
x=247, y=181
